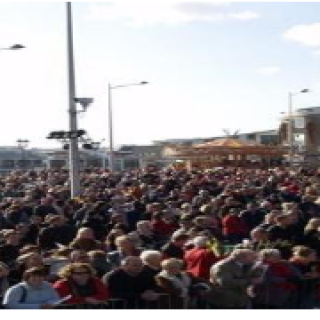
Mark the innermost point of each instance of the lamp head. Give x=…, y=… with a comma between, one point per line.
x=85, y=102
x=304, y=90
x=16, y=47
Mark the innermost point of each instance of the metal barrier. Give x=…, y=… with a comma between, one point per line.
x=163, y=302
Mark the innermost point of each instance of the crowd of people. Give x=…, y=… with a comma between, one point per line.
x=224, y=238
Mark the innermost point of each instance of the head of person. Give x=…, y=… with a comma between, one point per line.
x=270, y=255
x=151, y=258
x=124, y=243
x=77, y=272
x=55, y=220
x=200, y=242
x=305, y=254
x=79, y=256
x=186, y=221
x=244, y=256
x=12, y=237
x=30, y=260
x=85, y=233
x=179, y=239
x=144, y=227
x=172, y=266
x=313, y=224
x=34, y=277
x=132, y=265
x=259, y=234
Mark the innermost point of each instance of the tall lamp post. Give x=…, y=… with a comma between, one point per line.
x=290, y=124
x=74, y=164
x=111, y=136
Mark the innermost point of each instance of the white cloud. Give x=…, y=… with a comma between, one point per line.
x=269, y=70
x=168, y=12
x=304, y=34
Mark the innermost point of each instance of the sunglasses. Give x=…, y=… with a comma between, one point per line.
x=80, y=272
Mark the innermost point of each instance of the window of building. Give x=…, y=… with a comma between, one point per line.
x=8, y=164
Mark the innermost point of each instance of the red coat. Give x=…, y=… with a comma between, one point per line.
x=162, y=228
x=64, y=289
x=199, y=262
x=233, y=224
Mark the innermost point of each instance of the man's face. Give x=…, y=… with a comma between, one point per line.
x=134, y=267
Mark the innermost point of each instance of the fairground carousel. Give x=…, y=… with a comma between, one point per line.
x=225, y=152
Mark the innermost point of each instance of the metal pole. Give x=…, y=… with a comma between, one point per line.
x=73, y=150
x=111, y=151
x=290, y=129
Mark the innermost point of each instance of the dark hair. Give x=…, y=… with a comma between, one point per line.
x=35, y=271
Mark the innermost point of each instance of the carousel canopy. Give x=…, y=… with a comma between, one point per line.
x=226, y=142
x=223, y=146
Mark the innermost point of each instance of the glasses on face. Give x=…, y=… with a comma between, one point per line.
x=80, y=272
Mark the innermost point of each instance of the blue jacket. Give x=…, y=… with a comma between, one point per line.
x=34, y=297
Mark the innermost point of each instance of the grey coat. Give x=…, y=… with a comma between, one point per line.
x=231, y=284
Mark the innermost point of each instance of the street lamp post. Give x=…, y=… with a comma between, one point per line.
x=290, y=124
x=74, y=169
x=111, y=135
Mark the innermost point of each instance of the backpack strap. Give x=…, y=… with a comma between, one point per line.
x=23, y=296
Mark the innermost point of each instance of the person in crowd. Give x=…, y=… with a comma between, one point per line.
x=200, y=258
x=174, y=248
x=46, y=207
x=9, y=251
x=128, y=283
x=78, y=281
x=234, y=227
x=151, y=260
x=125, y=248
x=149, y=239
x=312, y=235
x=278, y=288
x=178, y=284
x=306, y=262
x=232, y=277
x=85, y=240
x=56, y=233
x=32, y=293
x=98, y=261
x=252, y=216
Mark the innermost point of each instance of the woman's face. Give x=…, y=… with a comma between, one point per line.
x=80, y=275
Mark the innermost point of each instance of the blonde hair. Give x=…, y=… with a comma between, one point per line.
x=66, y=272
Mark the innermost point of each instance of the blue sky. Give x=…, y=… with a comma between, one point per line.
x=211, y=66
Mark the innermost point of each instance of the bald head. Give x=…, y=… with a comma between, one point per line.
x=132, y=265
